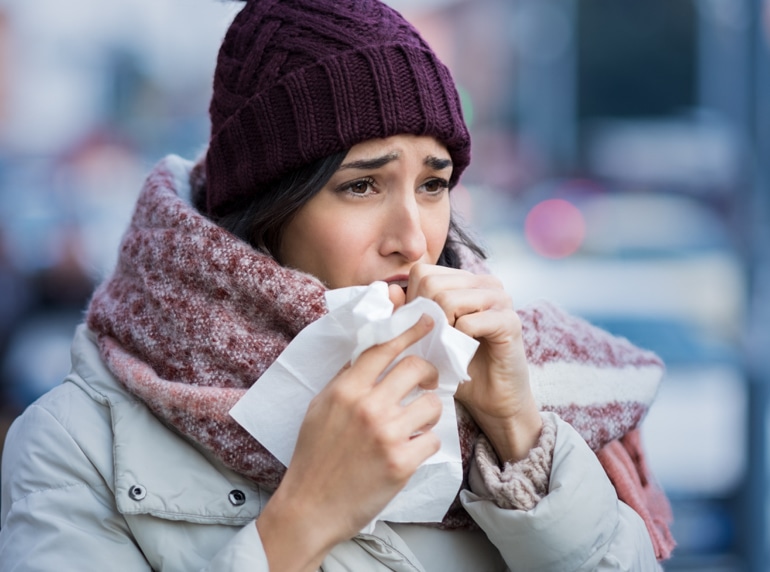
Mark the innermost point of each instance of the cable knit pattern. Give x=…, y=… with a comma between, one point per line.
x=298, y=80
x=192, y=316
x=522, y=484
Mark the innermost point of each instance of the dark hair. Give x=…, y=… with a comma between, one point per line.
x=262, y=220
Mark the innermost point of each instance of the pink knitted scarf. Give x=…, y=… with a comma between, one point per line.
x=192, y=316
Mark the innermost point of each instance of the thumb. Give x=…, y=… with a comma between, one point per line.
x=396, y=295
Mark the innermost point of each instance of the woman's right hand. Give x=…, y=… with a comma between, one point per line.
x=357, y=448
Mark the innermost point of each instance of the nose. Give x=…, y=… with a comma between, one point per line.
x=402, y=231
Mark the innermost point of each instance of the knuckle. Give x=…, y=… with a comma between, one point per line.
x=430, y=377
x=419, y=272
x=491, y=281
x=430, y=283
x=386, y=436
x=463, y=323
x=413, y=363
x=432, y=440
x=421, y=369
x=434, y=406
x=339, y=393
x=443, y=299
x=367, y=416
x=515, y=322
x=398, y=467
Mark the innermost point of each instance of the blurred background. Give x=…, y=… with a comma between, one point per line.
x=621, y=165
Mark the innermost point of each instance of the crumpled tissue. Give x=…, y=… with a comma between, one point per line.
x=273, y=409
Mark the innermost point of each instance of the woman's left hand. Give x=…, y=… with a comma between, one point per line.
x=498, y=395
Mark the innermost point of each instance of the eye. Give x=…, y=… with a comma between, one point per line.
x=359, y=187
x=435, y=186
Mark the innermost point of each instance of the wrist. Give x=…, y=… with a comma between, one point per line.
x=292, y=537
x=514, y=437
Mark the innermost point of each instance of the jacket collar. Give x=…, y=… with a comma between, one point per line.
x=156, y=470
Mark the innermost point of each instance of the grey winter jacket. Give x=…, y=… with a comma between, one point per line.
x=92, y=480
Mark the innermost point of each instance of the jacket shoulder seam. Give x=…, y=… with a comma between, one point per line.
x=65, y=431
x=60, y=487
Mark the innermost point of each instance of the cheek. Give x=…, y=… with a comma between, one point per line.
x=436, y=227
x=338, y=251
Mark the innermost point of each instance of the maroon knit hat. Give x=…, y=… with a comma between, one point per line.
x=299, y=80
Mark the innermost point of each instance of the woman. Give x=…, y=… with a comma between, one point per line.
x=336, y=137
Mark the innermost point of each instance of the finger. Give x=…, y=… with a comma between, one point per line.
x=431, y=284
x=437, y=283
x=410, y=454
x=458, y=303
x=372, y=362
x=420, y=416
x=397, y=295
x=420, y=448
x=425, y=411
x=408, y=374
x=494, y=326
x=420, y=272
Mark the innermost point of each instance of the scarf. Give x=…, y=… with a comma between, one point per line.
x=192, y=316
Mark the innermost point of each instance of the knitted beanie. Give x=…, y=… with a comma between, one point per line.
x=299, y=80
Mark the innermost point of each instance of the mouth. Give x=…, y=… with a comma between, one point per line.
x=400, y=281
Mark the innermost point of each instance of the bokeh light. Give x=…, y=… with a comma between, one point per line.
x=555, y=228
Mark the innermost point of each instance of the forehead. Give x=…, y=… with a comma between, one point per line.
x=401, y=145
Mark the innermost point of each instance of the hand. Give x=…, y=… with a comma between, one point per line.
x=357, y=448
x=498, y=396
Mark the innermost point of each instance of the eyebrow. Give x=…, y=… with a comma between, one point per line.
x=434, y=163
x=374, y=163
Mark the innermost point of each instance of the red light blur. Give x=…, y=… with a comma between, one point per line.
x=555, y=228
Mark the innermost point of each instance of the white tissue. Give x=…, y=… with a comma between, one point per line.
x=360, y=317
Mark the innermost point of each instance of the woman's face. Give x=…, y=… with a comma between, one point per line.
x=384, y=210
